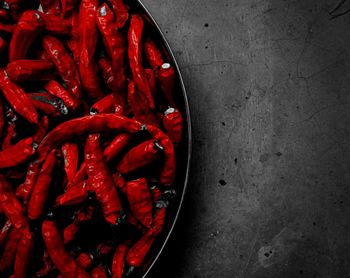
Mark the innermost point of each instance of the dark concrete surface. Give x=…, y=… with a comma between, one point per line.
x=268, y=85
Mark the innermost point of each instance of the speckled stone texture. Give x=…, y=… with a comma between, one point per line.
x=269, y=90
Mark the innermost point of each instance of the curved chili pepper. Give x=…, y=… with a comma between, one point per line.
x=29, y=70
x=101, y=181
x=25, y=190
x=139, y=156
x=64, y=64
x=104, y=105
x=116, y=146
x=140, y=201
x=119, y=182
x=56, y=89
x=158, y=221
x=17, y=98
x=68, y=7
x=153, y=54
x=55, y=24
x=84, y=125
x=26, y=31
x=48, y=104
x=152, y=80
x=5, y=230
x=99, y=272
x=118, y=263
x=173, y=124
x=17, y=154
x=9, y=253
x=70, y=153
x=79, y=176
x=60, y=257
x=105, y=67
x=24, y=251
x=115, y=46
x=167, y=174
x=74, y=195
x=88, y=40
x=41, y=129
x=166, y=78
x=135, y=58
x=42, y=185
x=139, y=250
x=121, y=11
x=50, y=6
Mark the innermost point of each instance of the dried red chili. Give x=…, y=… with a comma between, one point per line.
x=153, y=54
x=75, y=195
x=152, y=80
x=25, y=190
x=56, y=89
x=173, y=124
x=68, y=7
x=158, y=221
x=23, y=254
x=116, y=146
x=17, y=154
x=60, y=257
x=99, y=272
x=70, y=153
x=140, y=201
x=48, y=104
x=105, y=67
x=50, y=6
x=121, y=12
x=9, y=253
x=101, y=181
x=166, y=78
x=118, y=263
x=41, y=129
x=17, y=98
x=26, y=31
x=104, y=105
x=85, y=260
x=73, y=41
x=55, y=24
x=135, y=58
x=5, y=230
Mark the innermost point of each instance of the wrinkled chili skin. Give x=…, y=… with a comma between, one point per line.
x=153, y=54
x=2, y=118
x=41, y=189
x=51, y=7
x=138, y=157
x=29, y=70
x=60, y=257
x=64, y=64
x=9, y=252
x=116, y=146
x=74, y=195
x=70, y=154
x=115, y=47
x=56, y=25
x=173, y=124
x=48, y=104
x=101, y=181
x=140, y=201
x=41, y=129
x=135, y=58
x=158, y=221
x=121, y=12
x=166, y=79
x=56, y=89
x=23, y=254
x=17, y=154
x=105, y=67
x=17, y=98
x=68, y=7
x=24, y=191
x=139, y=250
x=85, y=260
x=104, y=105
x=88, y=35
x=118, y=263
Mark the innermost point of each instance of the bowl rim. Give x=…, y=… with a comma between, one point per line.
x=189, y=137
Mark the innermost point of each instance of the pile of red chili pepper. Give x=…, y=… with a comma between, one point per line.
x=89, y=132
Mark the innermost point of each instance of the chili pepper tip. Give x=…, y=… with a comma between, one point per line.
x=166, y=66
x=169, y=111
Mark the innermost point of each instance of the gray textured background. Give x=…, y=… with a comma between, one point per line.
x=268, y=86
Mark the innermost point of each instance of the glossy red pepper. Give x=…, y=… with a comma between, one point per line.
x=70, y=153
x=30, y=70
x=64, y=64
x=166, y=78
x=116, y=146
x=105, y=67
x=41, y=189
x=115, y=46
x=68, y=7
x=24, y=191
x=17, y=154
x=56, y=89
x=121, y=11
x=158, y=221
x=17, y=98
x=88, y=35
x=60, y=257
x=41, y=129
x=139, y=156
x=85, y=260
x=101, y=181
x=152, y=80
x=118, y=263
x=74, y=195
x=135, y=58
x=9, y=252
x=56, y=25
x=173, y=124
x=153, y=54
x=48, y=104
x=23, y=254
x=26, y=31
x=104, y=105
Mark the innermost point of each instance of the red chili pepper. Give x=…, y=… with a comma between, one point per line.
x=56, y=89
x=104, y=105
x=85, y=260
x=115, y=47
x=74, y=195
x=26, y=31
x=79, y=176
x=55, y=24
x=23, y=255
x=64, y=64
x=41, y=189
x=9, y=253
x=139, y=156
x=48, y=104
x=10, y=135
x=156, y=194
x=73, y=41
x=135, y=58
x=30, y=70
x=70, y=153
x=158, y=221
x=140, y=201
x=4, y=15
x=99, y=272
x=167, y=174
x=50, y=6
x=17, y=154
x=152, y=80
x=41, y=129
x=139, y=106
x=121, y=11
x=105, y=67
x=166, y=78
x=84, y=125
x=139, y=250
x=173, y=124
x=24, y=191
x=119, y=182
x=5, y=230
x=101, y=181
x=17, y=98
x=60, y=257
x=88, y=40
x=118, y=263
x=116, y=146
x=153, y=54
x=120, y=107
x=68, y=7
x=2, y=118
